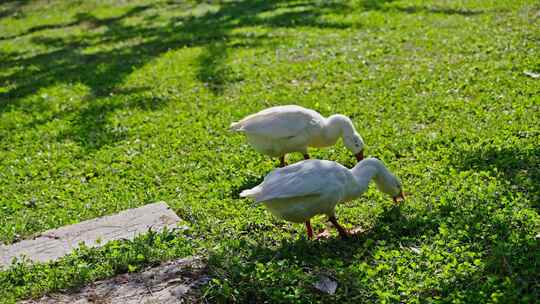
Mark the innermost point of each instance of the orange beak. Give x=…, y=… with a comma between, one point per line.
x=399, y=198
x=359, y=155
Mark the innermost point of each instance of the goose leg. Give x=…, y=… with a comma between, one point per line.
x=309, y=230
x=342, y=231
x=282, y=162
x=306, y=156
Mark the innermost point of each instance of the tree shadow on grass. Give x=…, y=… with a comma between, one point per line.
x=383, y=5
x=438, y=10
x=86, y=19
x=10, y=8
x=91, y=126
x=104, y=69
x=235, y=264
x=118, y=48
x=212, y=72
x=211, y=30
x=511, y=250
x=504, y=243
x=519, y=167
x=391, y=224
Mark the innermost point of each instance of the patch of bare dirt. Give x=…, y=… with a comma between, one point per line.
x=176, y=281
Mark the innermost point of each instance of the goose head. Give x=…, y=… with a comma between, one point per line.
x=386, y=181
x=391, y=185
x=355, y=144
x=342, y=125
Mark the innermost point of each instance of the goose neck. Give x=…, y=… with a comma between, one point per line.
x=336, y=126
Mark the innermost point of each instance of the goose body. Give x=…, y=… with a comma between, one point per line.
x=280, y=130
x=308, y=188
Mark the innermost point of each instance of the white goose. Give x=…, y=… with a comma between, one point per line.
x=280, y=130
x=300, y=191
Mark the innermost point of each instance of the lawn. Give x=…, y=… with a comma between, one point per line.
x=107, y=105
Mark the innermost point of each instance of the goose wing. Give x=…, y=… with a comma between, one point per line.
x=314, y=178
x=278, y=122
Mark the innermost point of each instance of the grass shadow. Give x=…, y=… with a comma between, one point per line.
x=520, y=168
x=104, y=69
x=374, y=4
x=391, y=224
x=9, y=8
x=86, y=19
x=510, y=252
x=91, y=127
x=438, y=10
x=235, y=264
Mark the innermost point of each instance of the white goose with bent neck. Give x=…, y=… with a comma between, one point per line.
x=311, y=187
x=280, y=130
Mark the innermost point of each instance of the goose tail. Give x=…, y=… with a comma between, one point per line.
x=253, y=192
x=236, y=126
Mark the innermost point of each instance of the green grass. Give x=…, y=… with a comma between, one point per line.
x=110, y=105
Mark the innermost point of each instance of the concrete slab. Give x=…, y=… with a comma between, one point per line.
x=172, y=282
x=53, y=244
